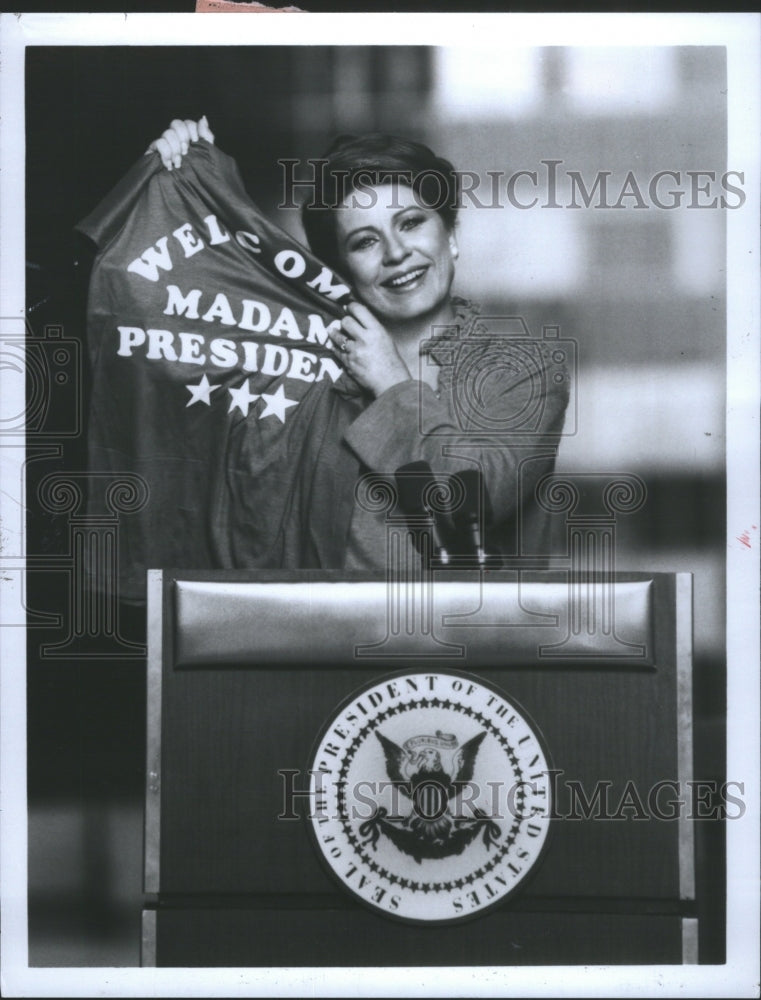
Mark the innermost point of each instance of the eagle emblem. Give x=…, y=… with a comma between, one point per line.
x=430, y=773
x=429, y=795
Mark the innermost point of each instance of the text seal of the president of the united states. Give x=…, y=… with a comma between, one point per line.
x=430, y=795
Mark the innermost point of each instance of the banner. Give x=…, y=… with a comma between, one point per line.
x=213, y=379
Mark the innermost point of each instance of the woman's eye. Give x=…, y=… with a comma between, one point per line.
x=412, y=221
x=362, y=243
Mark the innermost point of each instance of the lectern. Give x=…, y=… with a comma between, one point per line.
x=487, y=768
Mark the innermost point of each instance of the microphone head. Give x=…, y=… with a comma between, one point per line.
x=472, y=515
x=412, y=480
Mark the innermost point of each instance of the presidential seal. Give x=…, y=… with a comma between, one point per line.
x=430, y=795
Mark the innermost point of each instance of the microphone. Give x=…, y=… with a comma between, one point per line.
x=412, y=481
x=467, y=518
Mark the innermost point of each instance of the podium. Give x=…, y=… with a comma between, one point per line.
x=245, y=670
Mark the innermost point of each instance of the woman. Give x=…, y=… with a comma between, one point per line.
x=436, y=387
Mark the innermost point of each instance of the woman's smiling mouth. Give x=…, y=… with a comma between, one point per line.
x=407, y=280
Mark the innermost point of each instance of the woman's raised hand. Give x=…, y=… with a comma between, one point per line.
x=367, y=350
x=174, y=143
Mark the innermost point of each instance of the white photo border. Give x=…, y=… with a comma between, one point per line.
x=740, y=34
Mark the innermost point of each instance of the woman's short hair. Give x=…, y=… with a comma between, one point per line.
x=356, y=161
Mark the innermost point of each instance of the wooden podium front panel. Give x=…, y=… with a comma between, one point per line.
x=226, y=732
x=229, y=732
x=354, y=937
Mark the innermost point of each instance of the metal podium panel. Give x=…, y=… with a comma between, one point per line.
x=482, y=624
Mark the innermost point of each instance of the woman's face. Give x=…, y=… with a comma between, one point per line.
x=398, y=255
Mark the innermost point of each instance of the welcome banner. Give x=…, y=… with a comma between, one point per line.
x=213, y=378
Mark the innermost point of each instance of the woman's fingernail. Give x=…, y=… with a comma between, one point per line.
x=177, y=161
x=184, y=148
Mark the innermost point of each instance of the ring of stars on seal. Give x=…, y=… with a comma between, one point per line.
x=370, y=727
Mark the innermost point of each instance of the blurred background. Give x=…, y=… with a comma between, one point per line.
x=640, y=290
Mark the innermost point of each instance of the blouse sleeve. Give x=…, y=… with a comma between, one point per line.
x=501, y=412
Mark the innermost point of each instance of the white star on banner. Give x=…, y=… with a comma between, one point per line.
x=277, y=404
x=201, y=393
x=242, y=398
